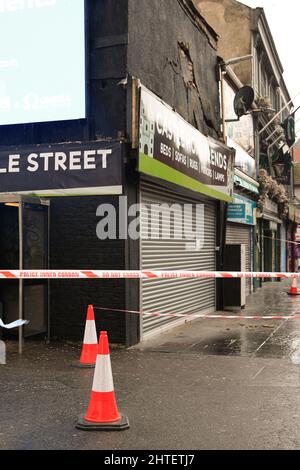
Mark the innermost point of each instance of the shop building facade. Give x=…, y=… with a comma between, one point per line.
x=261, y=136
x=184, y=177
x=105, y=162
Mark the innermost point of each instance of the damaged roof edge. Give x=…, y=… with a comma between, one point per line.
x=194, y=13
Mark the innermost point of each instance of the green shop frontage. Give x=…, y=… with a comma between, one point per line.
x=270, y=230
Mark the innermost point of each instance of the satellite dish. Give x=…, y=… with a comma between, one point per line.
x=243, y=100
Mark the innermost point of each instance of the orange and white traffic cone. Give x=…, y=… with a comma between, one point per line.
x=90, y=342
x=102, y=413
x=294, y=287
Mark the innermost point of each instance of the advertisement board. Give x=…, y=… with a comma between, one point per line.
x=242, y=211
x=297, y=234
x=243, y=161
x=42, y=61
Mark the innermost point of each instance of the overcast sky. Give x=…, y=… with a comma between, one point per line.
x=284, y=20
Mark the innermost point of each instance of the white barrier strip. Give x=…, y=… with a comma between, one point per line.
x=215, y=316
x=232, y=317
x=96, y=274
x=14, y=324
x=281, y=240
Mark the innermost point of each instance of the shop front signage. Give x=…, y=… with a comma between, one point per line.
x=297, y=234
x=243, y=161
x=245, y=184
x=173, y=150
x=297, y=215
x=89, y=168
x=242, y=211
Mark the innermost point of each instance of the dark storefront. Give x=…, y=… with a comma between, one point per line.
x=185, y=175
x=270, y=227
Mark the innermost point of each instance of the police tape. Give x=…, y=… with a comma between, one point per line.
x=204, y=316
x=283, y=240
x=14, y=324
x=120, y=274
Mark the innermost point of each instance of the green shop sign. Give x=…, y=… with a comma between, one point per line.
x=173, y=150
x=242, y=211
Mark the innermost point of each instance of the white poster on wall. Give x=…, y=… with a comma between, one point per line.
x=242, y=131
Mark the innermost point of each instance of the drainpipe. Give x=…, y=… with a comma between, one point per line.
x=221, y=77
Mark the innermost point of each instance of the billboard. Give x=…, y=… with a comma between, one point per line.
x=42, y=61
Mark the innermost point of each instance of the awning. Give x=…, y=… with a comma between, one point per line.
x=245, y=184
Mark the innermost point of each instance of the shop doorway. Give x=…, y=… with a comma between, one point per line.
x=271, y=253
x=24, y=244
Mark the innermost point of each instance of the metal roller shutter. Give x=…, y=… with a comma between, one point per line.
x=187, y=296
x=240, y=234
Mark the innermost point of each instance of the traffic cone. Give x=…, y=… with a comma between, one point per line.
x=294, y=287
x=102, y=413
x=90, y=343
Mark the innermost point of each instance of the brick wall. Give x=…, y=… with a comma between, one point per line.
x=74, y=245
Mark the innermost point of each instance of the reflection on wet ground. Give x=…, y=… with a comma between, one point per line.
x=240, y=337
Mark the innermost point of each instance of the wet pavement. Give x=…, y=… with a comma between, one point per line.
x=241, y=337
x=209, y=384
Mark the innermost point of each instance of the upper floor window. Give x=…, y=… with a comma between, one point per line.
x=272, y=94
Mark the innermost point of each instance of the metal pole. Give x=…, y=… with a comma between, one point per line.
x=275, y=142
x=271, y=135
x=236, y=60
x=222, y=103
x=21, y=282
x=256, y=144
x=277, y=114
x=48, y=266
